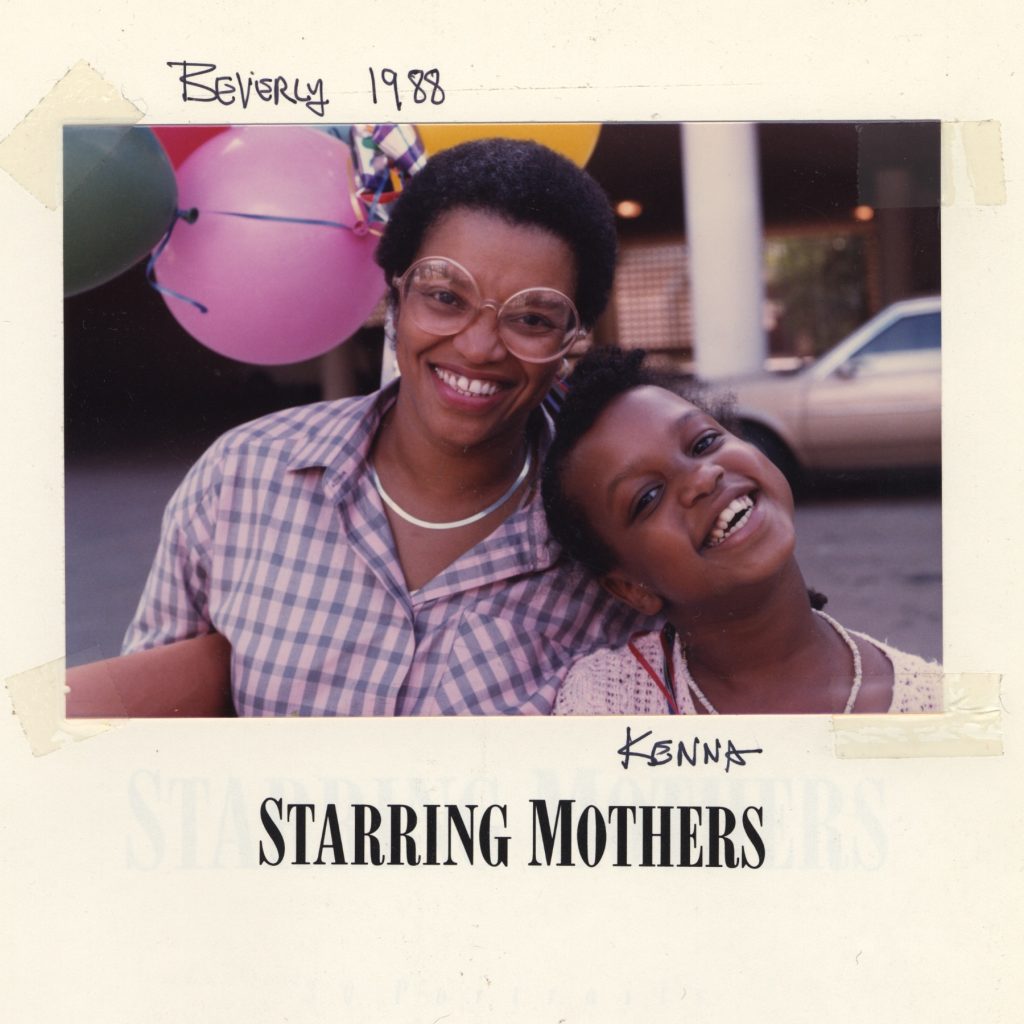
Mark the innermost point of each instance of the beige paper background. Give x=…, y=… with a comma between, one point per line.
x=893, y=891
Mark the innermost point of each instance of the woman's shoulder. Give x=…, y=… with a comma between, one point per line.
x=612, y=681
x=326, y=420
x=917, y=683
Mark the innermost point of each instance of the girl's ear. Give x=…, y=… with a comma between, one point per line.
x=636, y=595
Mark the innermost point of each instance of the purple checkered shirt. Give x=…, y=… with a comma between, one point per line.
x=277, y=540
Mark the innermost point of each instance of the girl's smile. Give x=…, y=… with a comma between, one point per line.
x=734, y=522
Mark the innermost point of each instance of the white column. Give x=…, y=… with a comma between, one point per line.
x=724, y=234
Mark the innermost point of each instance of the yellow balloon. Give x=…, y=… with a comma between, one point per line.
x=576, y=141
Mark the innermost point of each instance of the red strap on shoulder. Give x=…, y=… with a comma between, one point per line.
x=646, y=665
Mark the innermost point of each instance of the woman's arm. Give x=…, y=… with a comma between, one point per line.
x=188, y=678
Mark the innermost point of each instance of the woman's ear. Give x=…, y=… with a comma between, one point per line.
x=389, y=363
x=390, y=321
x=636, y=595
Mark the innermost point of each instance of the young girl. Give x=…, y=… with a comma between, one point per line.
x=680, y=518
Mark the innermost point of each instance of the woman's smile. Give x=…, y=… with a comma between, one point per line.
x=471, y=386
x=468, y=390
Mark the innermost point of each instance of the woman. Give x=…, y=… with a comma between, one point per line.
x=680, y=518
x=388, y=554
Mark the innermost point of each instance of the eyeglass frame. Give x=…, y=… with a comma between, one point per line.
x=573, y=336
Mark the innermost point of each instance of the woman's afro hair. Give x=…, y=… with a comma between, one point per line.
x=523, y=183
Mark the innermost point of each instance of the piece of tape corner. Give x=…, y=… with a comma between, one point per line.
x=972, y=162
x=971, y=725
x=37, y=697
x=31, y=153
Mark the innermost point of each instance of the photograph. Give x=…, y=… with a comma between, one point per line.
x=265, y=298
x=410, y=414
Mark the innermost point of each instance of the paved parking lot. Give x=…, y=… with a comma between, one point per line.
x=879, y=560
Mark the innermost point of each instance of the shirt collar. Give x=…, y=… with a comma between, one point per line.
x=341, y=448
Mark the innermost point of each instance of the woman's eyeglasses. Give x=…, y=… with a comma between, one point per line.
x=537, y=325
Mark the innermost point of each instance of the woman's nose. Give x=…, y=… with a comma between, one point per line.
x=478, y=341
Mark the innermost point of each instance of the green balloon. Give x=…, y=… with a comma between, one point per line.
x=120, y=196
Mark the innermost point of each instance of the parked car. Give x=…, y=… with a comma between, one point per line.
x=871, y=402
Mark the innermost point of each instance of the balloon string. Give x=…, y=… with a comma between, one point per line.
x=186, y=215
x=362, y=216
x=285, y=220
x=375, y=203
x=192, y=215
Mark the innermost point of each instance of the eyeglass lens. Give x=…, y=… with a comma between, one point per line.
x=442, y=298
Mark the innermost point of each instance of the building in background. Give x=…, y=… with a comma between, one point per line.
x=849, y=220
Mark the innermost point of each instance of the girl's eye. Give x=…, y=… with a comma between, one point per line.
x=706, y=441
x=644, y=501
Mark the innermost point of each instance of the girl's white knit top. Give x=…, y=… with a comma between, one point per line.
x=611, y=681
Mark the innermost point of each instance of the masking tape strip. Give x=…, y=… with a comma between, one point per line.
x=970, y=726
x=970, y=166
x=37, y=697
x=31, y=154
x=972, y=162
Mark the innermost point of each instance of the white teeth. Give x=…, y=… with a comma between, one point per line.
x=722, y=529
x=460, y=383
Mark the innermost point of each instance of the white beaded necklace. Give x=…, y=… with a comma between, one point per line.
x=475, y=518
x=858, y=674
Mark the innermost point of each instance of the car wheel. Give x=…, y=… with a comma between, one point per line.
x=771, y=445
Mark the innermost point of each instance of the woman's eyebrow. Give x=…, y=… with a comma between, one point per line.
x=635, y=465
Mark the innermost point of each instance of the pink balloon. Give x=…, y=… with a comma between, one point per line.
x=275, y=292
